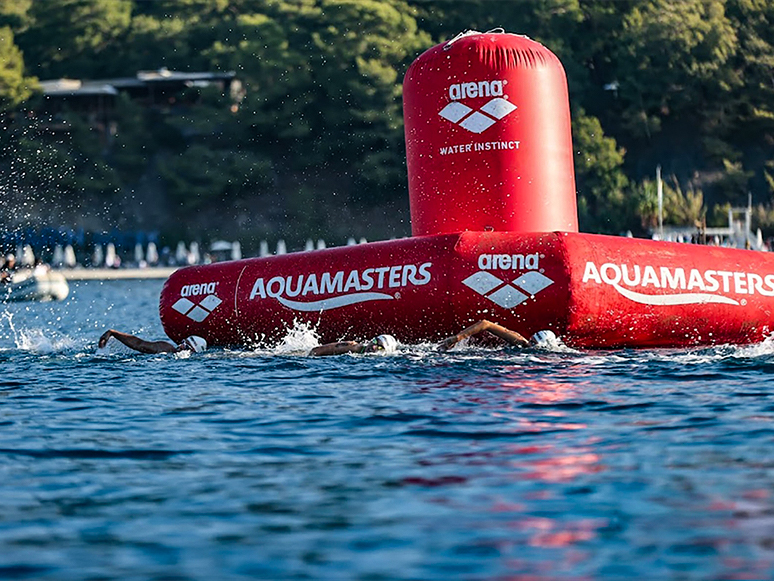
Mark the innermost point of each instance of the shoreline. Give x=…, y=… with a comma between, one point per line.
x=76, y=274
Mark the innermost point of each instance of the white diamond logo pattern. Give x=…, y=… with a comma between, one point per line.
x=507, y=295
x=477, y=121
x=197, y=312
x=210, y=302
x=455, y=111
x=182, y=306
x=498, y=108
x=482, y=282
x=533, y=282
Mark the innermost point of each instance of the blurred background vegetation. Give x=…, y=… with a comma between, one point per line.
x=309, y=142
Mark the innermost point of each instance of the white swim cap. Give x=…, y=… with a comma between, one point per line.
x=195, y=343
x=543, y=338
x=387, y=342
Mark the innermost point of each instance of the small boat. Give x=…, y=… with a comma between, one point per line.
x=34, y=284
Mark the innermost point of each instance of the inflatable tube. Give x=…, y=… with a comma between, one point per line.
x=593, y=291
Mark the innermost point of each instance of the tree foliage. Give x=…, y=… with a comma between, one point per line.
x=15, y=88
x=687, y=85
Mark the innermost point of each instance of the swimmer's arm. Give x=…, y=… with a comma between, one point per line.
x=136, y=343
x=474, y=329
x=510, y=337
x=337, y=348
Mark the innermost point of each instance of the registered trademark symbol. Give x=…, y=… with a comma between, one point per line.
x=397, y=295
x=744, y=302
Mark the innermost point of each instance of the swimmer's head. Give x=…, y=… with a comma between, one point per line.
x=194, y=343
x=544, y=338
x=386, y=343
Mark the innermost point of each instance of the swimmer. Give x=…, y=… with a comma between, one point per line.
x=380, y=344
x=510, y=337
x=193, y=343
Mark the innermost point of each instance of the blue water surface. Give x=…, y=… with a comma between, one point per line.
x=495, y=464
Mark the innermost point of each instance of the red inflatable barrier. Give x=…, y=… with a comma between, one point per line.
x=593, y=291
x=493, y=208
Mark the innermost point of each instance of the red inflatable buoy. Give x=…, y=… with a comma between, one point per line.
x=495, y=224
x=489, y=138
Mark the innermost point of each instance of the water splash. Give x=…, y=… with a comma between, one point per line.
x=300, y=338
x=36, y=340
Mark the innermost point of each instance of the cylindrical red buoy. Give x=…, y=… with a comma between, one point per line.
x=488, y=138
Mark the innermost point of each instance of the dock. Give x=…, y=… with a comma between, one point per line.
x=156, y=272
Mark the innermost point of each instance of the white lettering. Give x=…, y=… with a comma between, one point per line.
x=740, y=284
x=381, y=272
x=649, y=277
x=695, y=281
x=591, y=273
x=726, y=276
x=604, y=270
x=509, y=261
x=353, y=282
x=476, y=146
x=289, y=289
x=279, y=282
x=633, y=281
x=336, y=283
x=311, y=286
x=713, y=285
x=424, y=270
x=368, y=280
x=395, y=276
x=408, y=274
x=331, y=285
x=258, y=290
x=476, y=89
x=195, y=290
x=673, y=281
x=674, y=278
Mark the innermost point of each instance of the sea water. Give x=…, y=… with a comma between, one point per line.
x=475, y=464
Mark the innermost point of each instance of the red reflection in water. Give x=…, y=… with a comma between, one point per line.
x=565, y=465
x=529, y=406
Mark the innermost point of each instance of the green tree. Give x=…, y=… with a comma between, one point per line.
x=601, y=182
x=13, y=13
x=671, y=54
x=74, y=38
x=15, y=88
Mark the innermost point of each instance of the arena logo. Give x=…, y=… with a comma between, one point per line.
x=509, y=261
x=197, y=311
x=195, y=290
x=479, y=89
x=508, y=294
x=350, y=288
x=699, y=286
x=477, y=121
